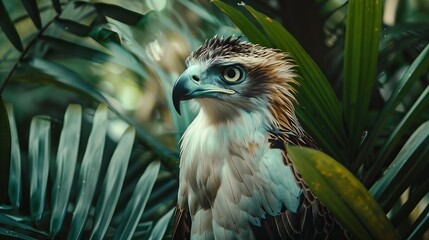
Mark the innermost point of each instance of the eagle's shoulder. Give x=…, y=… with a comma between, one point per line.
x=312, y=220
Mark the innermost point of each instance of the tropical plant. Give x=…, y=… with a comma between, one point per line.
x=64, y=192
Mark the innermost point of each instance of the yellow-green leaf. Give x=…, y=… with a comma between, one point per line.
x=342, y=194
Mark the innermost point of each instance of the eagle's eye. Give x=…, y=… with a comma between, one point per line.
x=232, y=74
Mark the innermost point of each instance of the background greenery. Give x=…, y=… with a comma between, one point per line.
x=77, y=170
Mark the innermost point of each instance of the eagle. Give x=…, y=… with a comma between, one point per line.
x=236, y=180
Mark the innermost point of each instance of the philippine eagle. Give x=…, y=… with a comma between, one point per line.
x=236, y=180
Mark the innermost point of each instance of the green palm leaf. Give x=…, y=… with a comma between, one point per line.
x=360, y=64
x=15, y=177
x=138, y=201
x=112, y=185
x=5, y=152
x=89, y=171
x=65, y=166
x=86, y=180
x=39, y=151
x=342, y=194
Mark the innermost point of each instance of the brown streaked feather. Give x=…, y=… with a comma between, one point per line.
x=312, y=220
x=182, y=224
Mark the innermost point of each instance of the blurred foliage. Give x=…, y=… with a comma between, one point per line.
x=126, y=54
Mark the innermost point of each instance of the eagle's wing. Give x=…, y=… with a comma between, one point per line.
x=312, y=220
x=182, y=224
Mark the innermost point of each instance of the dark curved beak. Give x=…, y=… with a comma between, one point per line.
x=191, y=85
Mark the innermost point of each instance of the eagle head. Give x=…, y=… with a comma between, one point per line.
x=226, y=75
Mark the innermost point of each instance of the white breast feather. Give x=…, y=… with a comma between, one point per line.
x=230, y=178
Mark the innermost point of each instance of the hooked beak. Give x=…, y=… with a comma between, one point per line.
x=190, y=85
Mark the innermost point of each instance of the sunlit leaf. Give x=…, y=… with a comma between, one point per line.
x=420, y=226
x=15, y=178
x=342, y=194
x=5, y=150
x=418, y=195
x=33, y=12
x=39, y=151
x=199, y=10
x=137, y=203
x=89, y=172
x=65, y=166
x=159, y=230
x=112, y=185
x=8, y=28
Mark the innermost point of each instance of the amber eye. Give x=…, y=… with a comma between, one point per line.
x=232, y=74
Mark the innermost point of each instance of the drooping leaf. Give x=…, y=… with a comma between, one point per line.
x=360, y=65
x=76, y=50
x=405, y=167
x=112, y=185
x=419, y=66
x=9, y=29
x=159, y=230
x=137, y=203
x=67, y=78
x=65, y=166
x=89, y=172
x=342, y=194
x=5, y=150
x=15, y=178
x=33, y=12
x=39, y=151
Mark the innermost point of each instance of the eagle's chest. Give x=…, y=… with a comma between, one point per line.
x=215, y=154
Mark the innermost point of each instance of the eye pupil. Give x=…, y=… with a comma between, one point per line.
x=231, y=73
